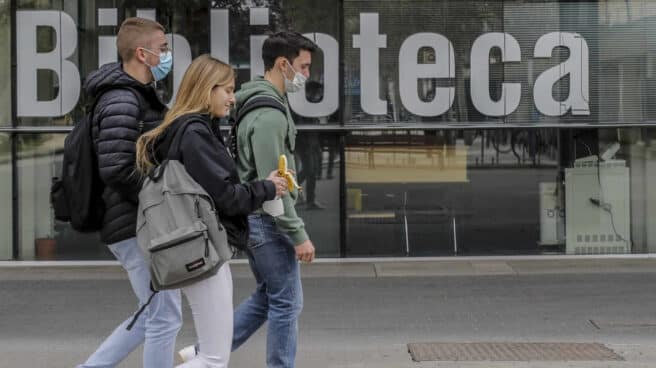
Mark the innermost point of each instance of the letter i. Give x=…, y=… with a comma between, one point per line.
x=220, y=34
x=258, y=17
x=107, y=44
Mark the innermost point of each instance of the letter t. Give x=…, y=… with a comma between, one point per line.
x=369, y=41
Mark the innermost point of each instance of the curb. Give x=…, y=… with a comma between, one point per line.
x=376, y=268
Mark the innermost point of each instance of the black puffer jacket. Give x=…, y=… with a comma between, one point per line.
x=204, y=155
x=116, y=126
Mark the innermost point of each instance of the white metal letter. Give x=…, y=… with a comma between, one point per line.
x=410, y=71
x=577, y=68
x=511, y=93
x=29, y=60
x=369, y=41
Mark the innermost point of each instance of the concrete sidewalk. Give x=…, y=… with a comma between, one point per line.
x=363, y=314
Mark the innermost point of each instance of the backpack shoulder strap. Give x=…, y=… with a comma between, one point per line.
x=251, y=104
x=259, y=101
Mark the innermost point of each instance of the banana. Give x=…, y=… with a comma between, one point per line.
x=284, y=172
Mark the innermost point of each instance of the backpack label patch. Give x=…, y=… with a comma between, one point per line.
x=192, y=266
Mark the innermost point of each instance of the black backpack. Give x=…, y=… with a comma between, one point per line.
x=251, y=104
x=76, y=195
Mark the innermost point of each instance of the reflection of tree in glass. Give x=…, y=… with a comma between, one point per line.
x=297, y=15
x=239, y=23
x=4, y=144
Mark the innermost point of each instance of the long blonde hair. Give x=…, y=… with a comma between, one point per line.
x=194, y=96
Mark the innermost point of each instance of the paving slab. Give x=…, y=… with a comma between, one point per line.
x=425, y=269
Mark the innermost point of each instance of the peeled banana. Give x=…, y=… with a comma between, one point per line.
x=285, y=173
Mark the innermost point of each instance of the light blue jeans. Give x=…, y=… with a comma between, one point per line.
x=278, y=297
x=158, y=325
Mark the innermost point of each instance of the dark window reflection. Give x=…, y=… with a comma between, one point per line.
x=318, y=162
x=40, y=237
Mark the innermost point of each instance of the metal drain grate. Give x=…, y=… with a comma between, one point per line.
x=422, y=352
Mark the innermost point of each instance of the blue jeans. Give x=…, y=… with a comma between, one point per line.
x=278, y=297
x=158, y=325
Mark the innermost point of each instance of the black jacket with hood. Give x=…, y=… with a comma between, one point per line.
x=118, y=120
x=207, y=160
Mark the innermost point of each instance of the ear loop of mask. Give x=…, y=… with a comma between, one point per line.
x=150, y=52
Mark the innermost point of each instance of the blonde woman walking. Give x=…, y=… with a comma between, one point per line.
x=206, y=94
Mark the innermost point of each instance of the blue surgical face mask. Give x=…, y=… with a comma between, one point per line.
x=161, y=70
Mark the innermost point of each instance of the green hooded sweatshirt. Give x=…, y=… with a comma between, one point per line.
x=263, y=135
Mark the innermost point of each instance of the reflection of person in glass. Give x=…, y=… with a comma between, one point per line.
x=330, y=144
x=309, y=150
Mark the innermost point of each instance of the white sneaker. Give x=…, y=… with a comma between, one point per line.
x=187, y=354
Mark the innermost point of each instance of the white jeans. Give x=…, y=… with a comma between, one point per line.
x=211, y=306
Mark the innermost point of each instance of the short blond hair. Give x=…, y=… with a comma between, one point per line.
x=135, y=32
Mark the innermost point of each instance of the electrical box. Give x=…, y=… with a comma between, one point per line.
x=597, y=208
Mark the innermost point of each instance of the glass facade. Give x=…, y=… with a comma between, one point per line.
x=427, y=128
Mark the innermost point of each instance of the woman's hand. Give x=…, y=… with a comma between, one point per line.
x=279, y=182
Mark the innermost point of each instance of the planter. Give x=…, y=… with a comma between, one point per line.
x=46, y=249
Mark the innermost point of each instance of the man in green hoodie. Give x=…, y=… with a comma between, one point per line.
x=276, y=243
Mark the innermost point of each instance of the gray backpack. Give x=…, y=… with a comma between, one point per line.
x=178, y=228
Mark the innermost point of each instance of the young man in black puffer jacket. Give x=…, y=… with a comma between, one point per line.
x=128, y=106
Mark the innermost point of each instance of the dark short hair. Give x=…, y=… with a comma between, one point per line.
x=286, y=44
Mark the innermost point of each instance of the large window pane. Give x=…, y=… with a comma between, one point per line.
x=6, y=220
x=520, y=191
x=446, y=192
x=317, y=154
x=40, y=236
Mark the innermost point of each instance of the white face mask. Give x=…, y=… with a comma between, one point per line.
x=295, y=84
